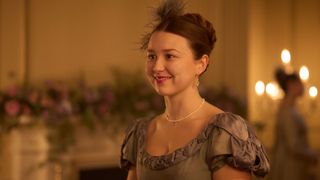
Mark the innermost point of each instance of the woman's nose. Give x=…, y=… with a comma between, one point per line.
x=158, y=65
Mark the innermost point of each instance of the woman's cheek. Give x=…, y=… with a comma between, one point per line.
x=174, y=69
x=148, y=69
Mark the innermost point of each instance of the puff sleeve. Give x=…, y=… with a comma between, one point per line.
x=129, y=148
x=233, y=142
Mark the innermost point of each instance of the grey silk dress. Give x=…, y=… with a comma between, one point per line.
x=291, y=147
x=227, y=139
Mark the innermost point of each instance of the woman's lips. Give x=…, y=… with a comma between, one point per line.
x=161, y=79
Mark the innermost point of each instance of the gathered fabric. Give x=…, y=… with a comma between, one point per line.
x=227, y=139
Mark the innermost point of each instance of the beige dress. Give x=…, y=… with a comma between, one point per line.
x=291, y=147
x=227, y=139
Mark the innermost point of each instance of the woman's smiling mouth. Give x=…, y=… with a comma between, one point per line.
x=161, y=79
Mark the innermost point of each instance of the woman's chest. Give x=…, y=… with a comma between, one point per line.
x=186, y=168
x=166, y=139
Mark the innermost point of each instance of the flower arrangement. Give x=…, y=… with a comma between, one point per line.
x=55, y=106
x=59, y=107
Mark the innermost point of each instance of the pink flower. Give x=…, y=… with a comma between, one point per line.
x=12, y=107
x=33, y=97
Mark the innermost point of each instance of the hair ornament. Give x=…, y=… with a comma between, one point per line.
x=168, y=9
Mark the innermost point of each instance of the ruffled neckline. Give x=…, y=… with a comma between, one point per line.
x=244, y=150
x=179, y=154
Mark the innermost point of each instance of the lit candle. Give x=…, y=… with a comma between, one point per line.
x=272, y=90
x=260, y=101
x=313, y=92
x=285, y=56
x=259, y=88
x=304, y=73
x=286, y=59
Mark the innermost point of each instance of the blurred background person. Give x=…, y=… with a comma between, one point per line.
x=292, y=155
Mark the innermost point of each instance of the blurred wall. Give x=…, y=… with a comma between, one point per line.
x=70, y=39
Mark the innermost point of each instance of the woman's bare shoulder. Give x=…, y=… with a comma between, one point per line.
x=212, y=110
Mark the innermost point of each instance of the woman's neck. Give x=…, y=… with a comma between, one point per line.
x=182, y=104
x=289, y=100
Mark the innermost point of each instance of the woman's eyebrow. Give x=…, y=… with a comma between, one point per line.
x=150, y=50
x=164, y=50
x=168, y=50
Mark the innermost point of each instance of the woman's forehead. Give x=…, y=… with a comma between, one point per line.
x=168, y=41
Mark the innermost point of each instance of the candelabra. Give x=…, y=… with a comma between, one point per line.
x=273, y=91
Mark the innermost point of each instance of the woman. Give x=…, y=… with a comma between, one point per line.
x=292, y=154
x=192, y=139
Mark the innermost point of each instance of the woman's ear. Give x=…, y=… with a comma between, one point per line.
x=202, y=64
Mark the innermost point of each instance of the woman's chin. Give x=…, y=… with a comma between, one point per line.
x=163, y=91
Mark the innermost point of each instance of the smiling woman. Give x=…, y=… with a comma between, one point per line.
x=191, y=139
x=171, y=66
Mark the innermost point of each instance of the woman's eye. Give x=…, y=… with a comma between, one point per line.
x=169, y=56
x=151, y=57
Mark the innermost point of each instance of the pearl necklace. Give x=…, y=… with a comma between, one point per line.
x=174, y=121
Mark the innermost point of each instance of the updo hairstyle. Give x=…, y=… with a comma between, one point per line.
x=284, y=78
x=199, y=32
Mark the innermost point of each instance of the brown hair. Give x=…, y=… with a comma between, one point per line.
x=284, y=78
x=198, y=31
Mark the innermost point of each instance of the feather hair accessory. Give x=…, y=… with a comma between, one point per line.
x=168, y=9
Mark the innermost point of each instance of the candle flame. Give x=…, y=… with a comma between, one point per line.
x=304, y=73
x=285, y=56
x=313, y=92
x=259, y=88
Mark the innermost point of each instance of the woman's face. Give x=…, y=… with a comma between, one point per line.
x=299, y=88
x=296, y=87
x=171, y=67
